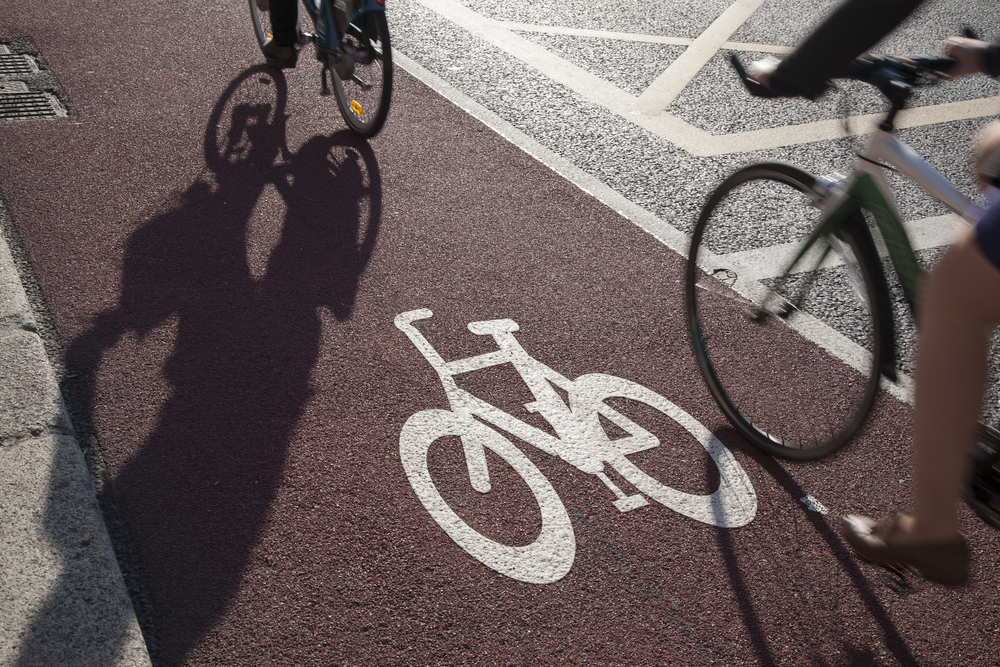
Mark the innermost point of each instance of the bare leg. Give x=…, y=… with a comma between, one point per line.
x=959, y=312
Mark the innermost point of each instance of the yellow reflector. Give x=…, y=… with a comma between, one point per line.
x=357, y=108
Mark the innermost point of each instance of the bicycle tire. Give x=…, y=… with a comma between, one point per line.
x=545, y=560
x=731, y=505
x=364, y=99
x=794, y=396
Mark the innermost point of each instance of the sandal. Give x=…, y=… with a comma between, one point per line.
x=942, y=562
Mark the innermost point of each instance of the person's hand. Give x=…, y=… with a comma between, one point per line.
x=969, y=55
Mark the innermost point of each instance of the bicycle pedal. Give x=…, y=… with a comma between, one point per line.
x=629, y=503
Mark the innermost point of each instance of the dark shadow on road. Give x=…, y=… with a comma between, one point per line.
x=893, y=642
x=195, y=494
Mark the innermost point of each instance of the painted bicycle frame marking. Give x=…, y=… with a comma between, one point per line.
x=580, y=440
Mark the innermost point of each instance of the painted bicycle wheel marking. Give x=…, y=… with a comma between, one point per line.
x=580, y=440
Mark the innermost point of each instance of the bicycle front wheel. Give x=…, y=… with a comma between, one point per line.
x=792, y=357
x=364, y=97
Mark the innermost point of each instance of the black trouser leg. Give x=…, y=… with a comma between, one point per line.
x=284, y=20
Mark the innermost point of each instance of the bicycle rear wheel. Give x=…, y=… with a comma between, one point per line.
x=364, y=97
x=793, y=363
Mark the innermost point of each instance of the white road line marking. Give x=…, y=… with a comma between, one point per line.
x=814, y=505
x=537, y=57
x=670, y=128
x=601, y=34
x=924, y=234
x=757, y=48
x=635, y=37
x=793, y=135
x=664, y=90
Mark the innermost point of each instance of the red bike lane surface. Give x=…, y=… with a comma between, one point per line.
x=224, y=287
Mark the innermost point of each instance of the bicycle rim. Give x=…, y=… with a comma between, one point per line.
x=364, y=98
x=791, y=362
x=659, y=438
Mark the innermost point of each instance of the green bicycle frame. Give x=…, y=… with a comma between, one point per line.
x=866, y=188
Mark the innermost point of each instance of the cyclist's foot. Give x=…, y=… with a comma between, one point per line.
x=886, y=543
x=282, y=57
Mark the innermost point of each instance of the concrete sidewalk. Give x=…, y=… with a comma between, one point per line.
x=62, y=597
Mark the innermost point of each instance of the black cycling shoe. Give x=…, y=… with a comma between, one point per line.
x=282, y=57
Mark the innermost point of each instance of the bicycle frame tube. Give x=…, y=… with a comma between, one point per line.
x=835, y=212
x=331, y=39
x=871, y=190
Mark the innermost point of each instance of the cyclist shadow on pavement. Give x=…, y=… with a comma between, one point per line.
x=894, y=643
x=195, y=493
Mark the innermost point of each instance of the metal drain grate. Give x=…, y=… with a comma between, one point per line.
x=28, y=106
x=13, y=64
x=13, y=86
x=26, y=89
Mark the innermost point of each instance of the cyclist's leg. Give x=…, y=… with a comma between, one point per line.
x=961, y=310
x=280, y=50
x=284, y=21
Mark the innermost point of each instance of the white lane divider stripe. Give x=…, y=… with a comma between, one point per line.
x=770, y=262
x=670, y=128
x=664, y=90
x=635, y=37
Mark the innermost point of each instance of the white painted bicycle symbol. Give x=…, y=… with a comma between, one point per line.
x=580, y=440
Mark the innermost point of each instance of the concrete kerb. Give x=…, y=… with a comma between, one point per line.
x=62, y=596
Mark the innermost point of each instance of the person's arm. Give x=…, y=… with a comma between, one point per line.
x=855, y=27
